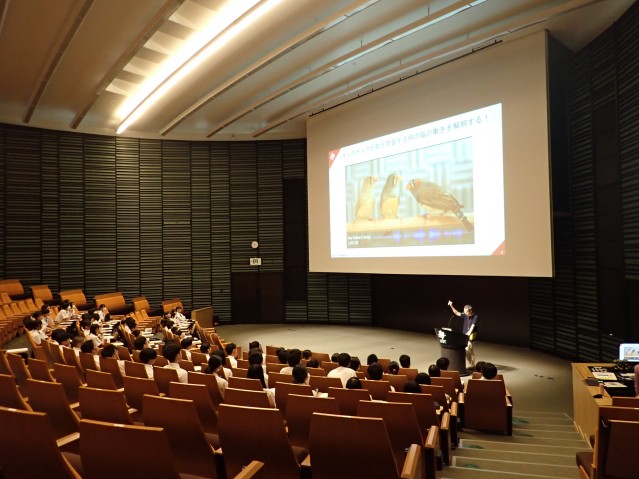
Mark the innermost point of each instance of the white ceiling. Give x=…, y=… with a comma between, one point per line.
x=71, y=64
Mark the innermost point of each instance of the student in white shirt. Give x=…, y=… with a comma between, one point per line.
x=227, y=372
x=64, y=313
x=186, y=344
x=171, y=352
x=110, y=351
x=95, y=334
x=256, y=357
x=215, y=368
x=102, y=311
x=293, y=358
x=76, y=345
x=343, y=371
x=231, y=353
x=88, y=346
x=205, y=348
x=46, y=319
x=34, y=326
x=147, y=357
x=256, y=372
x=178, y=316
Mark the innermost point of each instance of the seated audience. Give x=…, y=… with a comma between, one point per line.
x=255, y=371
x=110, y=351
x=89, y=346
x=372, y=358
x=411, y=387
x=206, y=349
x=293, y=358
x=227, y=372
x=34, y=328
x=376, y=373
x=422, y=378
x=343, y=371
x=355, y=363
x=256, y=357
x=147, y=357
x=95, y=334
x=404, y=361
x=353, y=383
x=443, y=363
x=215, y=368
x=433, y=371
x=186, y=344
x=231, y=353
x=282, y=355
x=393, y=367
x=76, y=343
x=313, y=363
x=335, y=357
x=479, y=365
x=300, y=375
x=171, y=352
x=61, y=337
x=488, y=371
x=307, y=354
x=140, y=343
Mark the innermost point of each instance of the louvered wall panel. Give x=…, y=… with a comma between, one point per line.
x=359, y=299
x=564, y=290
x=337, y=298
x=22, y=203
x=244, y=204
x=201, y=224
x=50, y=191
x=542, y=321
x=176, y=210
x=71, y=201
x=583, y=203
x=100, y=215
x=628, y=111
x=296, y=311
x=151, y=227
x=269, y=207
x=220, y=229
x=127, y=154
x=318, y=297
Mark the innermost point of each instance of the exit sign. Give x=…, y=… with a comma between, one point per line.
x=255, y=261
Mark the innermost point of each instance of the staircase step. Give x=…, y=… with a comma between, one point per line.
x=545, y=433
x=546, y=470
x=488, y=445
x=540, y=426
x=560, y=458
x=564, y=421
x=555, y=415
x=467, y=473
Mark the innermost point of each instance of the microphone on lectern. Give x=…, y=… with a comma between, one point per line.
x=451, y=318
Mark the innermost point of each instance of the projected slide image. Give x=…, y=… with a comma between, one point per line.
x=432, y=190
x=415, y=198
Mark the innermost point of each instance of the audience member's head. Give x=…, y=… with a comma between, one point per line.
x=355, y=363
x=422, y=378
x=88, y=346
x=255, y=357
x=255, y=371
x=231, y=349
x=60, y=336
x=140, y=343
x=94, y=328
x=294, y=357
x=300, y=374
x=215, y=364
x=205, y=348
x=76, y=342
x=433, y=371
x=375, y=371
x=479, y=365
x=443, y=363
x=334, y=357
x=109, y=351
x=282, y=355
x=404, y=361
x=344, y=360
x=186, y=343
x=255, y=345
x=489, y=371
x=148, y=355
x=171, y=351
x=353, y=383
x=307, y=354
x=372, y=358
x=411, y=387
x=313, y=363
x=393, y=367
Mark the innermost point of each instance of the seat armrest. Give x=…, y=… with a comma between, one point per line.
x=432, y=438
x=307, y=461
x=63, y=441
x=250, y=470
x=413, y=463
x=444, y=424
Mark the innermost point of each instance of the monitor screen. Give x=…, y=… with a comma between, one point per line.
x=629, y=352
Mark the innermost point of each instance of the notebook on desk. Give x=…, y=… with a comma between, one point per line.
x=604, y=376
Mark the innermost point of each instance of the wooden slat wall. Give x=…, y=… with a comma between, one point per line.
x=588, y=308
x=156, y=218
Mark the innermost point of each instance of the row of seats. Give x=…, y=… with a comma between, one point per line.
x=615, y=442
